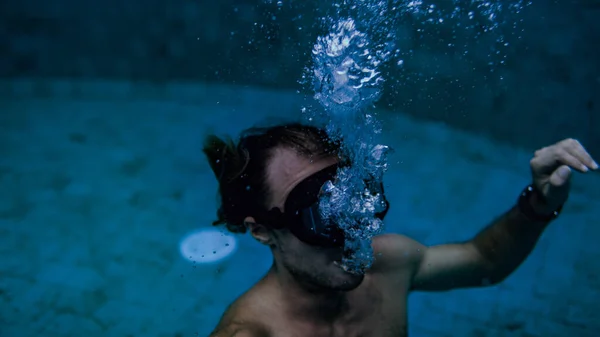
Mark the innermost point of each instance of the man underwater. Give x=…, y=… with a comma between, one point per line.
x=269, y=184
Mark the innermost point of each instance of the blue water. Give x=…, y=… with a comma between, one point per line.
x=102, y=179
x=99, y=188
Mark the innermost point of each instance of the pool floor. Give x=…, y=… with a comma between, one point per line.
x=98, y=190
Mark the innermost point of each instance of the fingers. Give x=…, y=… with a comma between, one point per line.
x=567, y=152
x=561, y=176
x=564, y=156
x=576, y=156
x=548, y=159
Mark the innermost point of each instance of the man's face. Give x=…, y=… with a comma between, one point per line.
x=313, y=265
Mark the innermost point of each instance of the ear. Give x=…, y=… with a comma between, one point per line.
x=261, y=233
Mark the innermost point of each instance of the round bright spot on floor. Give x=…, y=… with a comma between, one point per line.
x=207, y=246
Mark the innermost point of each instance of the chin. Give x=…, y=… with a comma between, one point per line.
x=345, y=281
x=350, y=283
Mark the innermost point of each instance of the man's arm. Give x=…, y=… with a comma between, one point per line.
x=487, y=259
x=501, y=247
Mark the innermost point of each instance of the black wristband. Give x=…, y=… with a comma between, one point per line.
x=524, y=205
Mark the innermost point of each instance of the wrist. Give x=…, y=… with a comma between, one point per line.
x=532, y=205
x=539, y=205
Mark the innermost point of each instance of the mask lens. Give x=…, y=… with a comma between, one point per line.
x=318, y=231
x=304, y=217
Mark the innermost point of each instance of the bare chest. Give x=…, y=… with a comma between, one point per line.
x=378, y=317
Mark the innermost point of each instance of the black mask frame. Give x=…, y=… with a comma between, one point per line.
x=302, y=216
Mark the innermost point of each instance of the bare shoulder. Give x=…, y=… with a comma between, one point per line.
x=395, y=252
x=239, y=331
x=241, y=319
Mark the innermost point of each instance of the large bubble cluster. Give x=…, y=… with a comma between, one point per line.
x=353, y=200
x=347, y=80
x=346, y=76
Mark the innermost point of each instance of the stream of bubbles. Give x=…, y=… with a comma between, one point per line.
x=347, y=79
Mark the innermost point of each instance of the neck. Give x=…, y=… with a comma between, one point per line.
x=305, y=301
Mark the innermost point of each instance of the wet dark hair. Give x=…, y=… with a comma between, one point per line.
x=240, y=167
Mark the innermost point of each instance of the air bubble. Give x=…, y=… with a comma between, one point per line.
x=347, y=80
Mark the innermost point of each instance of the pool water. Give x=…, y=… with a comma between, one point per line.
x=106, y=205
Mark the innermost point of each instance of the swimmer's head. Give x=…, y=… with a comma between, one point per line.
x=242, y=167
x=268, y=183
x=306, y=246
